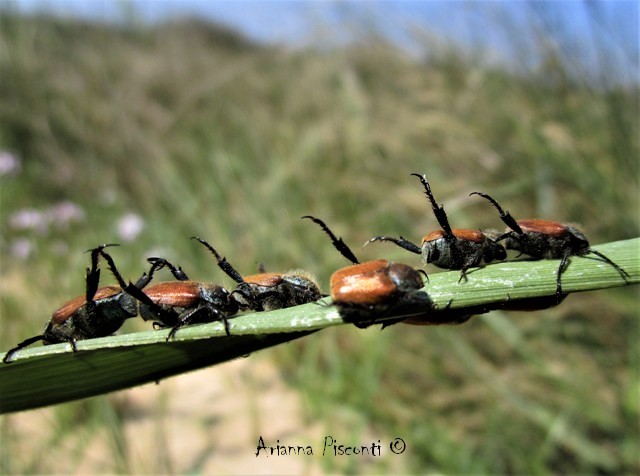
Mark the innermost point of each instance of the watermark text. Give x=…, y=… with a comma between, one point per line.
x=332, y=447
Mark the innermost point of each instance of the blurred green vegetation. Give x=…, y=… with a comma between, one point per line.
x=198, y=131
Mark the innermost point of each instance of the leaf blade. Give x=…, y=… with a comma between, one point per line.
x=53, y=374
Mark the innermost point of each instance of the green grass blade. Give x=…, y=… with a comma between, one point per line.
x=47, y=375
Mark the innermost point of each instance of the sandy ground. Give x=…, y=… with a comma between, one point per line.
x=207, y=422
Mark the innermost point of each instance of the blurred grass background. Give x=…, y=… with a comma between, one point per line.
x=147, y=135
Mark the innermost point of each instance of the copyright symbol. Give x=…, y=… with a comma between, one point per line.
x=397, y=446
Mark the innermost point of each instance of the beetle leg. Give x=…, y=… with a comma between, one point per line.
x=225, y=322
x=93, y=273
x=402, y=242
x=113, y=269
x=390, y=322
x=136, y=291
x=159, y=263
x=93, y=276
x=463, y=275
x=146, y=278
x=510, y=234
x=133, y=289
x=263, y=297
x=438, y=210
x=173, y=331
x=564, y=264
x=188, y=316
x=472, y=261
x=504, y=216
x=447, y=307
x=74, y=347
x=140, y=295
x=424, y=273
x=365, y=324
x=321, y=302
x=222, y=262
x=247, y=293
x=128, y=288
x=340, y=245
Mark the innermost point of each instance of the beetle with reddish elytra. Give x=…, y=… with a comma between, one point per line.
x=268, y=291
x=449, y=248
x=99, y=313
x=178, y=303
x=367, y=290
x=546, y=239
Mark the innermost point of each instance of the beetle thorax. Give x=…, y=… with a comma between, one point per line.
x=405, y=277
x=215, y=295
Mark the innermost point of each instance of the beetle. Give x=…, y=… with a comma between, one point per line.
x=99, y=313
x=178, y=303
x=364, y=290
x=268, y=291
x=449, y=248
x=547, y=239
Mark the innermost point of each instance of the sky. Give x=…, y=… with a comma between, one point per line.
x=574, y=24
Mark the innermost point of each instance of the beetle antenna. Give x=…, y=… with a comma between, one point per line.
x=222, y=262
x=438, y=210
x=505, y=216
x=7, y=357
x=101, y=247
x=402, y=242
x=340, y=245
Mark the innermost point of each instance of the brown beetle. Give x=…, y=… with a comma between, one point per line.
x=99, y=313
x=268, y=291
x=546, y=239
x=178, y=303
x=449, y=248
x=365, y=290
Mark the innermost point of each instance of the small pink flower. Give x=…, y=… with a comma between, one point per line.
x=64, y=213
x=130, y=226
x=9, y=164
x=21, y=248
x=29, y=219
